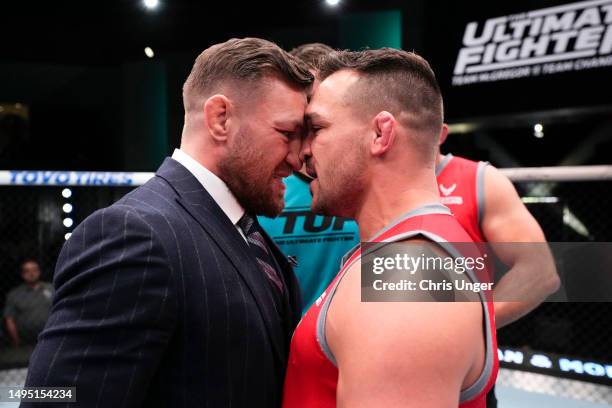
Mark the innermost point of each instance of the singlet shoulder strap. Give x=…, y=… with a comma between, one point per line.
x=354, y=255
x=402, y=234
x=443, y=163
x=322, y=318
x=480, y=191
x=426, y=209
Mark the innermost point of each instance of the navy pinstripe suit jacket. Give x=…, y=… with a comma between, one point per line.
x=159, y=303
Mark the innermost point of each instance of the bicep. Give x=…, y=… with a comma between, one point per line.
x=506, y=219
x=113, y=310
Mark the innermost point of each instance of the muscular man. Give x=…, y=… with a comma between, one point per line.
x=314, y=242
x=486, y=204
x=377, y=117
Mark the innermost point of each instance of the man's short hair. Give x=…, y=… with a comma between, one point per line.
x=27, y=259
x=238, y=60
x=397, y=81
x=311, y=54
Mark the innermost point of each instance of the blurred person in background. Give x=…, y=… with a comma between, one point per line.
x=27, y=306
x=487, y=206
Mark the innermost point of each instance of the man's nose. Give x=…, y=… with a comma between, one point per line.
x=305, y=151
x=293, y=158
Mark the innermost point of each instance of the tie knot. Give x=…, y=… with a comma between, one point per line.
x=246, y=223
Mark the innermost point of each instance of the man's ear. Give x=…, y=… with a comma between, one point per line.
x=443, y=134
x=217, y=112
x=384, y=129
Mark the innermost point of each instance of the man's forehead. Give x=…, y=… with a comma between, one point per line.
x=285, y=103
x=331, y=92
x=339, y=81
x=282, y=93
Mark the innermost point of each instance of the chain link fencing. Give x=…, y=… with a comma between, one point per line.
x=36, y=220
x=570, y=208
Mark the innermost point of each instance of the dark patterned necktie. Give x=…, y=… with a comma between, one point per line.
x=260, y=249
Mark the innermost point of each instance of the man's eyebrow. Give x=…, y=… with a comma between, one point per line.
x=292, y=123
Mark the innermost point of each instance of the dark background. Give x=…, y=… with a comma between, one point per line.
x=78, y=93
x=96, y=102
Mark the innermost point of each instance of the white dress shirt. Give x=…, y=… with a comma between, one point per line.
x=216, y=187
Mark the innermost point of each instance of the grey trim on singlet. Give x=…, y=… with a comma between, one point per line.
x=322, y=319
x=480, y=193
x=348, y=254
x=426, y=209
x=443, y=163
x=481, y=382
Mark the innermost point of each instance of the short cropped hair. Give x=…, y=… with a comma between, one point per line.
x=311, y=53
x=397, y=81
x=28, y=259
x=241, y=60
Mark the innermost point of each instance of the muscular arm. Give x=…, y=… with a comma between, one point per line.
x=532, y=275
x=402, y=354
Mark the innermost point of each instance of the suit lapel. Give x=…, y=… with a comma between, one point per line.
x=200, y=205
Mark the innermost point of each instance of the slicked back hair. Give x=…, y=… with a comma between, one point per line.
x=241, y=62
x=312, y=53
x=396, y=81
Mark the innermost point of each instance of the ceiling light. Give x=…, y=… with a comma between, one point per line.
x=151, y=4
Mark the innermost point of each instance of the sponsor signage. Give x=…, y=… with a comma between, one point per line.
x=496, y=58
x=72, y=178
x=552, y=364
x=571, y=37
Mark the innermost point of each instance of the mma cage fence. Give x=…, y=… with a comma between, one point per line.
x=561, y=349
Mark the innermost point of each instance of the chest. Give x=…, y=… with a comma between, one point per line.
x=32, y=300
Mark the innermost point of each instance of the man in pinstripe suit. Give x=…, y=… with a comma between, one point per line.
x=174, y=296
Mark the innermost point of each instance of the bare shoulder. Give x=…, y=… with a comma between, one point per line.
x=506, y=219
x=379, y=332
x=496, y=184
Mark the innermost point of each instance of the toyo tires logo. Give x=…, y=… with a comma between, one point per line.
x=570, y=37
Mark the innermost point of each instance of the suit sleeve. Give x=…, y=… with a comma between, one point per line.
x=113, y=313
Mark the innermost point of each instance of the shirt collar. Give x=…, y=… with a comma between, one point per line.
x=217, y=189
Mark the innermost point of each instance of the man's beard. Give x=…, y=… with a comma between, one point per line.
x=252, y=187
x=343, y=187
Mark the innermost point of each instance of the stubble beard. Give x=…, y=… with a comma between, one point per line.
x=343, y=188
x=252, y=187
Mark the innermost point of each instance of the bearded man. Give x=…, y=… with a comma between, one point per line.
x=174, y=296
